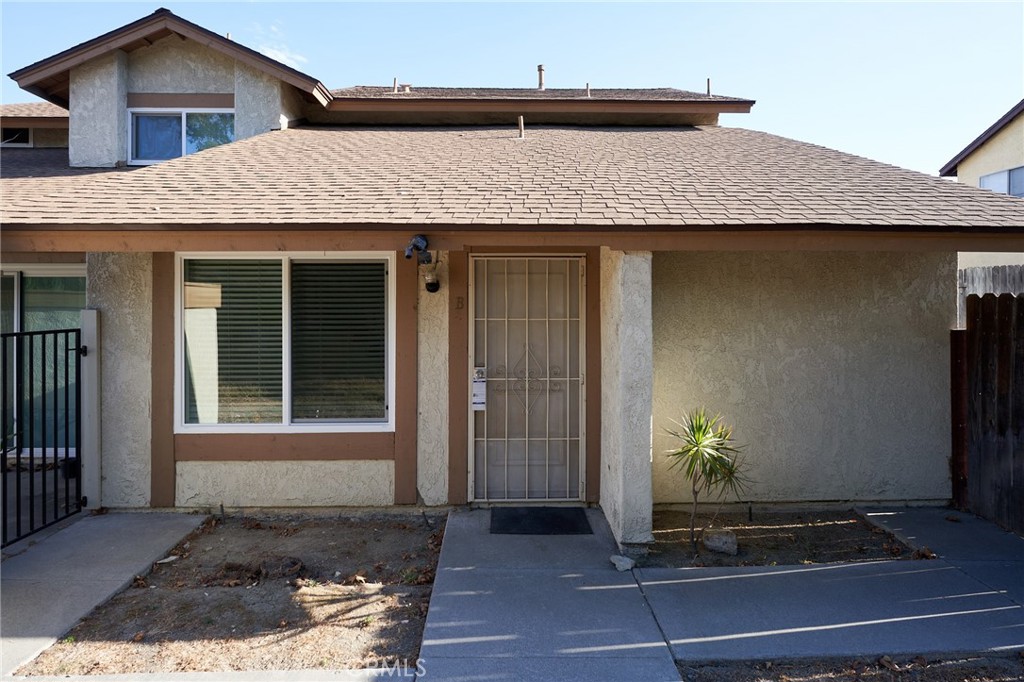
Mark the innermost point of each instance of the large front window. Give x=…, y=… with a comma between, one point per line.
x=298, y=343
x=158, y=135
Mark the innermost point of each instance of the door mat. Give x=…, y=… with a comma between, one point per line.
x=539, y=521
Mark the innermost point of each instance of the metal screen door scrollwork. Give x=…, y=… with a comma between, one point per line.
x=527, y=342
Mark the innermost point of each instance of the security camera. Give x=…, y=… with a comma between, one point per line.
x=417, y=244
x=430, y=281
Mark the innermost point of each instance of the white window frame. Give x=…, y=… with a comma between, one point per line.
x=165, y=111
x=387, y=426
x=23, y=145
x=21, y=270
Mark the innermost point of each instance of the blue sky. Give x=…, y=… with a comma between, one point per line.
x=907, y=83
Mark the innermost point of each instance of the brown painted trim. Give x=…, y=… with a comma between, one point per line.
x=36, y=122
x=302, y=238
x=162, y=469
x=184, y=100
x=273, y=447
x=41, y=257
x=593, y=384
x=458, y=377
x=406, y=282
x=527, y=106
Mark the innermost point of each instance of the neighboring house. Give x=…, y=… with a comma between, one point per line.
x=264, y=341
x=993, y=161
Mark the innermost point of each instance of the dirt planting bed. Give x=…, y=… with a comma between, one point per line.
x=267, y=593
x=775, y=539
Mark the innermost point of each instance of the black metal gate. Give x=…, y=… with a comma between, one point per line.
x=42, y=429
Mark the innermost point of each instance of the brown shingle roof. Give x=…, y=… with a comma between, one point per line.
x=33, y=110
x=36, y=172
x=607, y=94
x=622, y=177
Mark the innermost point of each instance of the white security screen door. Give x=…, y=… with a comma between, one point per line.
x=527, y=374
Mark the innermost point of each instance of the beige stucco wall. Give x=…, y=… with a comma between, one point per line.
x=120, y=286
x=172, y=65
x=1002, y=151
x=432, y=391
x=285, y=484
x=626, y=388
x=833, y=368
x=49, y=137
x=258, y=102
x=97, y=135
x=977, y=259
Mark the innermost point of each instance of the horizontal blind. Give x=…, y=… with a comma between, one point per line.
x=339, y=341
x=233, y=341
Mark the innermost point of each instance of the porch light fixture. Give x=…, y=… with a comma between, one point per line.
x=418, y=246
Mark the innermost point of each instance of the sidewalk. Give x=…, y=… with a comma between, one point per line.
x=48, y=587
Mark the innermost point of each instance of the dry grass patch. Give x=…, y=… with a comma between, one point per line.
x=258, y=593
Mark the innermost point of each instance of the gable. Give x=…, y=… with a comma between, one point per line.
x=51, y=77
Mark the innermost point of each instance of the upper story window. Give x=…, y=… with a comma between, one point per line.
x=160, y=134
x=1005, y=182
x=16, y=137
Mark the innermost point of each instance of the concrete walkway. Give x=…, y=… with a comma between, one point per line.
x=537, y=607
x=50, y=585
x=508, y=607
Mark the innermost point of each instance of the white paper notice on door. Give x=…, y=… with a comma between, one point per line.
x=479, y=390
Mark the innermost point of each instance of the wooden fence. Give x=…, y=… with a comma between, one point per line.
x=988, y=413
x=990, y=279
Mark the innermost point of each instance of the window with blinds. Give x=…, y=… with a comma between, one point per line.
x=339, y=341
x=238, y=362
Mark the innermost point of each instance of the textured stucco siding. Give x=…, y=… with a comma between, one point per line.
x=293, y=107
x=1002, y=151
x=257, y=102
x=97, y=135
x=626, y=389
x=172, y=65
x=285, y=484
x=832, y=367
x=49, y=137
x=120, y=287
x=432, y=392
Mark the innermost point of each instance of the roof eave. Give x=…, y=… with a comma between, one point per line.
x=538, y=105
x=950, y=169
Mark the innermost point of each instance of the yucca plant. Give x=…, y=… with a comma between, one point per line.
x=708, y=457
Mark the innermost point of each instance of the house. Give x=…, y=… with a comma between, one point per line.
x=260, y=247
x=995, y=161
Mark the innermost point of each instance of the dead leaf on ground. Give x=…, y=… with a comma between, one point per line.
x=923, y=553
x=139, y=582
x=139, y=636
x=888, y=663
